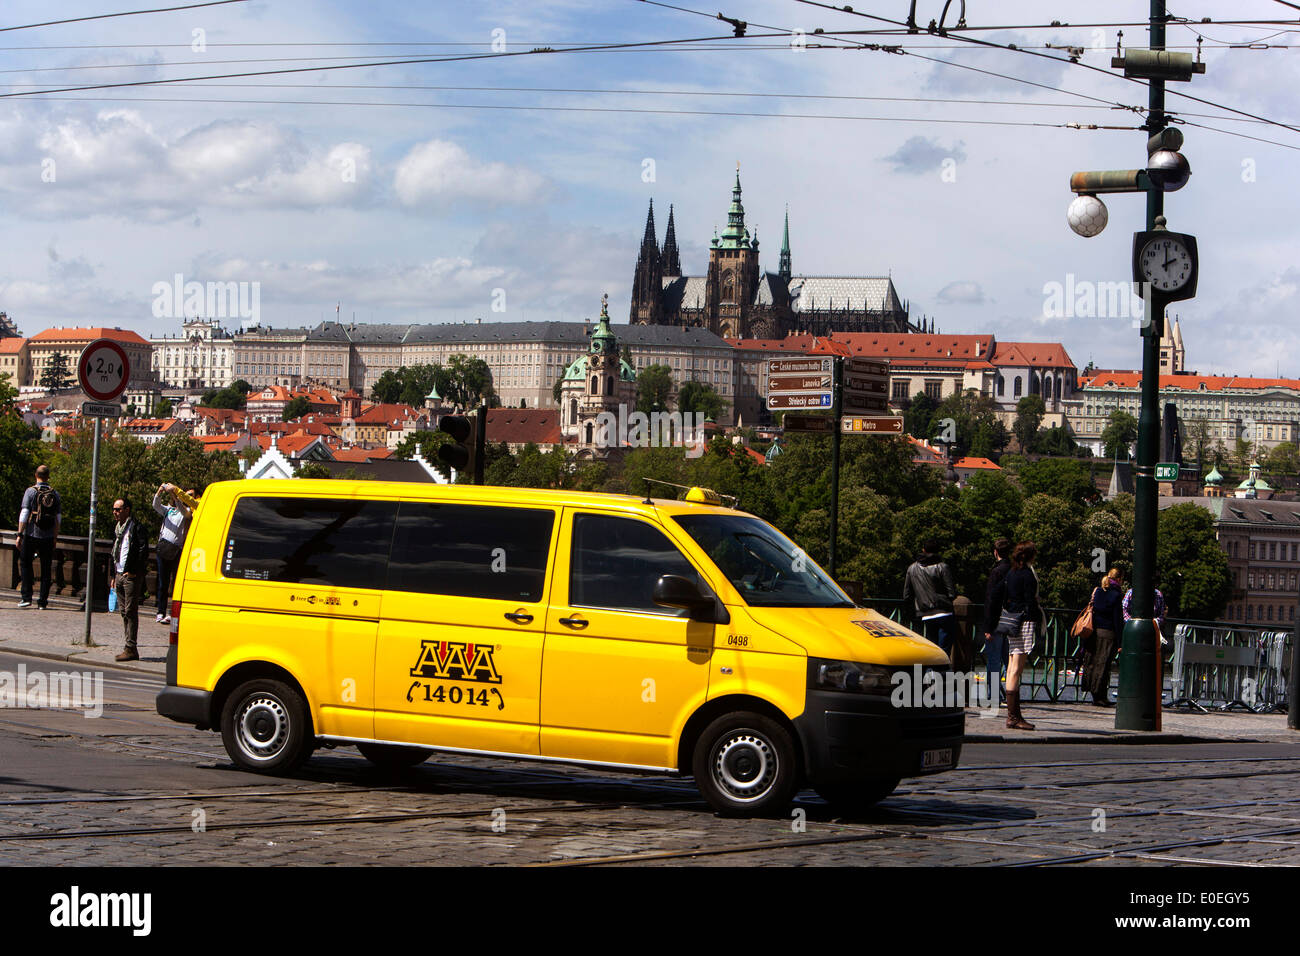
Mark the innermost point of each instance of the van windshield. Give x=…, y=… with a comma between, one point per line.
x=766, y=567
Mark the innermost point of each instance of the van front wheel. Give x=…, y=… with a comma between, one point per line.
x=744, y=765
x=265, y=726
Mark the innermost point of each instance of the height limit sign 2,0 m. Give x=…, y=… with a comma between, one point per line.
x=103, y=370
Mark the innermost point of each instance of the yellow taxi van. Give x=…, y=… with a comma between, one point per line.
x=608, y=630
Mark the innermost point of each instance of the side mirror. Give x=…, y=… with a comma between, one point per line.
x=673, y=590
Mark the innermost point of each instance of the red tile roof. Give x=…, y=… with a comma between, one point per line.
x=149, y=424
x=519, y=426
x=218, y=442
x=1032, y=354
x=969, y=462
x=81, y=335
x=290, y=445
x=1190, y=383
x=385, y=413
x=357, y=454
x=11, y=345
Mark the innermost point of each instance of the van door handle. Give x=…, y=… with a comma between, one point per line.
x=574, y=622
x=519, y=617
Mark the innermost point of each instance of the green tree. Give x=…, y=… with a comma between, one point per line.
x=1029, y=415
x=20, y=453
x=654, y=387
x=313, y=469
x=1058, y=442
x=163, y=409
x=56, y=373
x=468, y=382
x=1064, y=478
x=296, y=408
x=918, y=414
x=1193, y=569
x=1054, y=525
x=224, y=398
x=957, y=536
x=240, y=386
x=702, y=399
x=387, y=388
x=993, y=503
x=1119, y=434
x=976, y=428
x=1282, y=460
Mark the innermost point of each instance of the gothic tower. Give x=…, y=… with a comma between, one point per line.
x=733, y=273
x=784, y=270
x=647, y=281
x=671, y=259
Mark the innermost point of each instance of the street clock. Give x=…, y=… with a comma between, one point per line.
x=1167, y=261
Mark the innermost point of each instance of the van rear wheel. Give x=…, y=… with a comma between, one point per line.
x=392, y=756
x=856, y=795
x=266, y=727
x=744, y=765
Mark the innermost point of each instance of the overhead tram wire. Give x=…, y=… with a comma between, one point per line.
x=537, y=51
x=126, y=13
x=596, y=109
x=1057, y=59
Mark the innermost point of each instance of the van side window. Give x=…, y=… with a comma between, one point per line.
x=329, y=542
x=616, y=562
x=479, y=551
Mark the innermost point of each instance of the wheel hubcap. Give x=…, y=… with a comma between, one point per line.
x=263, y=727
x=745, y=766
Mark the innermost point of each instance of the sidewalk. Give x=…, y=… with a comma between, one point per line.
x=58, y=632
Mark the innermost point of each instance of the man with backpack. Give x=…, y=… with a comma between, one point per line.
x=38, y=531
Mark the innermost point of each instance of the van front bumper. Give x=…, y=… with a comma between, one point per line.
x=849, y=737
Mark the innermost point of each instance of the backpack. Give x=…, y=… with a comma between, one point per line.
x=45, y=508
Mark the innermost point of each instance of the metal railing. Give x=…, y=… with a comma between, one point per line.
x=1054, y=668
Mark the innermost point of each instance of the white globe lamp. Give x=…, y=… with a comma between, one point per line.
x=1087, y=215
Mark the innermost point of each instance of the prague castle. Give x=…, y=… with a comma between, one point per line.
x=737, y=299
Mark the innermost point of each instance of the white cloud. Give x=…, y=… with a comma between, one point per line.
x=440, y=173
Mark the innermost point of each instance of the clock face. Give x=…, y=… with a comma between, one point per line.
x=1166, y=263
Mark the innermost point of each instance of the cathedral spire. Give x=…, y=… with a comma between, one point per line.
x=735, y=235
x=670, y=257
x=784, y=269
x=650, y=228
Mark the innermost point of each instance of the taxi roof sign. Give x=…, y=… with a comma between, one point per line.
x=706, y=496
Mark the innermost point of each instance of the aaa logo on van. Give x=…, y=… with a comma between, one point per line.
x=882, y=628
x=452, y=660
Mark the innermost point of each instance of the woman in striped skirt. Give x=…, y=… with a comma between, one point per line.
x=1021, y=598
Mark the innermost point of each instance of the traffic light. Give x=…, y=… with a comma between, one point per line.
x=466, y=456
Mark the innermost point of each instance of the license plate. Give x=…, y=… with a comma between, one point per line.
x=933, y=759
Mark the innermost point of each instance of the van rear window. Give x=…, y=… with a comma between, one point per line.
x=481, y=551
x=330, y=542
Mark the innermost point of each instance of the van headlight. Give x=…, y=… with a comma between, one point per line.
x=853, y=677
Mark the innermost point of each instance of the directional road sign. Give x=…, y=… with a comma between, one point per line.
x=872, y=425
x=1167, y=471
x=800, y=366
x=812, y=400
x=103, y=370
x=861, y=366
x=786, y=384
x=856, y=401
x=822, y=424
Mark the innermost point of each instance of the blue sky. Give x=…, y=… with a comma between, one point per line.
x=423, y=209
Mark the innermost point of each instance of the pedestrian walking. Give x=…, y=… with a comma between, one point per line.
x=130, y=563
x=995, y=643
x=39, y=518
x=1108, y=624
x=1020, y=621
x=1158, y=606
x=171, y=540
x=929, y=585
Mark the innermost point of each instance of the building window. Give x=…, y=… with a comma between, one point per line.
x=1272, y=550
x=934, y=389
x=901, y=386
x=1015, y=388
